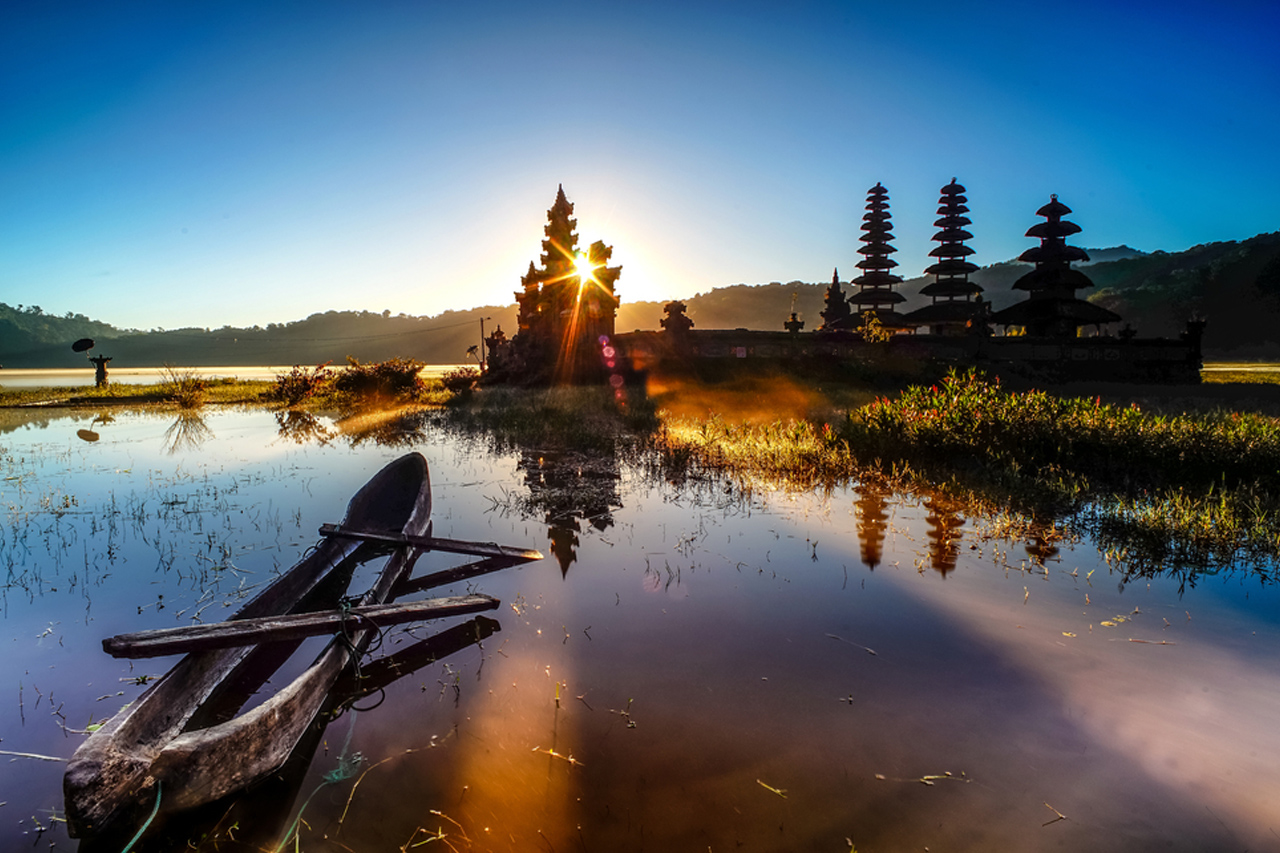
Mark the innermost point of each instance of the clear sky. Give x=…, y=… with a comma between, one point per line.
x=169, y=164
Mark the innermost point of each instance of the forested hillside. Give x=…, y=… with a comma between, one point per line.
x=37, y=340
x=1234, y=285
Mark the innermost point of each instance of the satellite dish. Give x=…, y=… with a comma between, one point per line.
x=82, y=345
x=87, y=435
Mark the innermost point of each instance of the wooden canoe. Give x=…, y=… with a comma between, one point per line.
x=160, y=745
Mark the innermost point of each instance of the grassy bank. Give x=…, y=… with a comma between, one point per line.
x=1158, y=489
x=1186, y=482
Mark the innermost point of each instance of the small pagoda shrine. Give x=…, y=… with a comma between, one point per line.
x=836, y=315
x=567, y=306
x=1052, y=309
x=957, y=306
x=876, y=284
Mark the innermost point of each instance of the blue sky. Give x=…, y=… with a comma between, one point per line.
x=200, y=164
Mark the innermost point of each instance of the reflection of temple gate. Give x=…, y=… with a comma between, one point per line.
x=570, y=488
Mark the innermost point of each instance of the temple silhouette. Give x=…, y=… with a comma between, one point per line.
x=568, y=307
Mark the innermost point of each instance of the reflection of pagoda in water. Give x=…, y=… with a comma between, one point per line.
x=1052, y=308
x=570, y=489
x=873, y=520
x=944, y=534
x=954, y=309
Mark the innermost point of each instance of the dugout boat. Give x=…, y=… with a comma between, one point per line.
x=185, y=742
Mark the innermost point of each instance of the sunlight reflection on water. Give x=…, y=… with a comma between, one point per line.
x=783, y=672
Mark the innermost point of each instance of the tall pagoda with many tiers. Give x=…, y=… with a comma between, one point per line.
x=876, y=284
x=1052, y=309
x=957, y=306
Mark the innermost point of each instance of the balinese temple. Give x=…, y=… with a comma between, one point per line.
x=567, y=304
x=876, y=284
x=957, y=306
x=836, y=316
x=1052, y=309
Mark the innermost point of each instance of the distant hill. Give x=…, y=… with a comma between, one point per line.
x=1115, y=253
x=31, y=339
x=1234, y=285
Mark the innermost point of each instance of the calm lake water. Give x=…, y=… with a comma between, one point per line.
x=688, y=669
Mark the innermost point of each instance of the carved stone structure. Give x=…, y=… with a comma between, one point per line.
x=676, y=323
x=567, y=306
x=836, y=315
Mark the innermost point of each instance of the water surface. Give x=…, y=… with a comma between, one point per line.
x=688, y=669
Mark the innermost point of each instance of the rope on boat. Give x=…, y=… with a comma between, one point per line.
x=155, y=811
x=346, y=769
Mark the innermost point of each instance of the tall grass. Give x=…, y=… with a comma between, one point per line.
x=183, y=386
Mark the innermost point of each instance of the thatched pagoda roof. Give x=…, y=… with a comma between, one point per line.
x=951, y=287
x=951, y=267
x=1050, y=253
x=1039, y=310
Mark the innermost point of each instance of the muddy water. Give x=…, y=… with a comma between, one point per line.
x=685, y=671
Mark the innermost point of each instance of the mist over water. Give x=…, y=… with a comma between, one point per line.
x=688, y=669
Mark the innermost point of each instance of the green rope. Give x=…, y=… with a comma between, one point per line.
x=346, y=769
x=128, y=847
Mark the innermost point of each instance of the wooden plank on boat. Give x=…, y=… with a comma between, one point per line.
x=244, y=632
x=149, y=743
x=457, y=573
x=432, y=543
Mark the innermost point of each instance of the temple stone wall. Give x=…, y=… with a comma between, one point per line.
x=1101, y=358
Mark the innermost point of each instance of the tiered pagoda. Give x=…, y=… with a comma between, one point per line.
x=567, y=305
x=957, y=307
x=1052, y=309
x=876, y=284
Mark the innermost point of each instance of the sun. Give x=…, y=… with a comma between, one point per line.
x=585, y=269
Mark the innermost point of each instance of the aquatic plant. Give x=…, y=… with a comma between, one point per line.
x=183, y=386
